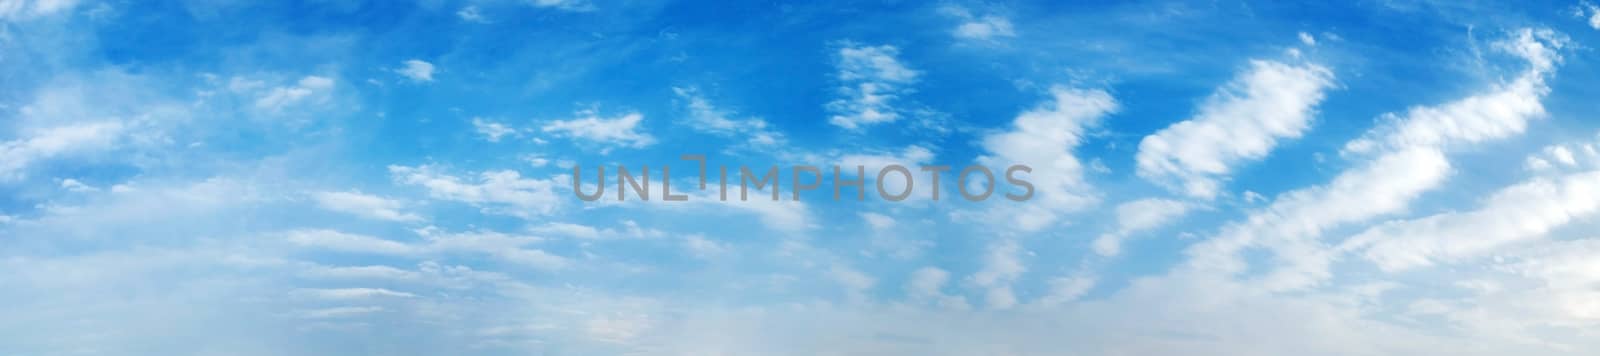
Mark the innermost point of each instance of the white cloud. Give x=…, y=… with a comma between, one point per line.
x=1306, y=39
x=873, y=63
x=568, y=229
x=703, y=248
x=25, y=9
x=621, y=131
x=418, y=70
x=1002, y=265
x=130, y=208
x=17, y=155
x=537, y=161
x=1534, y=163
x=855, y=283
x=348, y=293
x=926, y=285
x=872, y=78
x=1067, y=289
x=505, y=247
x=534, y=258
x=985, y=28
x=470, y=14
x=872, y=161
x=782, y=215
x=1242, y=121
x=617, y=328
x=491, y=130
x=729, y=306
x=500, y=192
x=340, y=241
x=1292, y=225
x=313, y=89
x=1516, y=214
x=877, y=221
x=1409, y=161
x=1540, y=293
x=73, y=185
x=360, y=272
x=1044, y=138
x=1589, y=12
x=1138, y=216
x=978, y=27
x=568, y=5
x=927, y=281
x=1562, y=295
x=707, y=118
x=1564, y=156
x=365, y=205
x=628, y=230
x=338, y=312
x=1502, y=112
x=910, y=157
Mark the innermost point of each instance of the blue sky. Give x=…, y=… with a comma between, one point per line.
x=1239, y=178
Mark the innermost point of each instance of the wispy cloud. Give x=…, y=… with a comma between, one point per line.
x=417, y=70
x=608, y=133
x=705, y=117
x=1046, y=138
x=365, y=205
x=498, y=192
x=984, y=27
x=873, y=77
x=1243, y=121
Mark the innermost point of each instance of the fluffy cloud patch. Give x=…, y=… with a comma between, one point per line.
x=1138, y=216
x=490, y=130
x=1243, y=121
x=1002, y=265
x=1567, y=156
x=1589, y=13
x=1501, y=112
x=416, y=69
x=1409, y=161
x=620, y=131
x=1044, y=138
x=978, y=27
x=1516, y=214
x=1292, y=225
